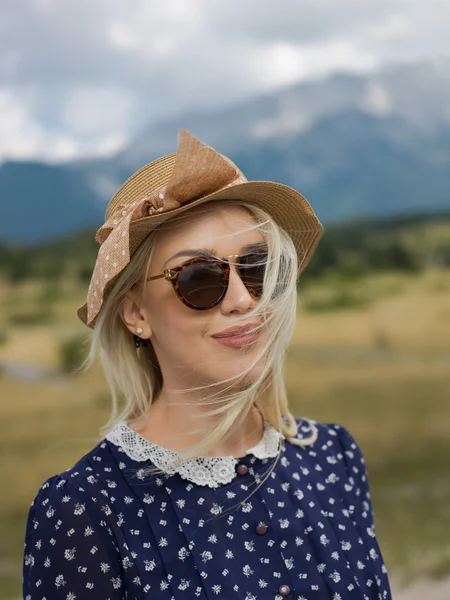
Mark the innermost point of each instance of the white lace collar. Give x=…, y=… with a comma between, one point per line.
x=211, y=471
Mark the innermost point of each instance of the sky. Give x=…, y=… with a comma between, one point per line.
x=80, y=78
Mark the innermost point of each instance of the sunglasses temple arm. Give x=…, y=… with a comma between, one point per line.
x=156, y=277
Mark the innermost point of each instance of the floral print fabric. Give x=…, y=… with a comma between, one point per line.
x=105, y=529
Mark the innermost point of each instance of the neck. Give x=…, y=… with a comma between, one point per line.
x=168, y=424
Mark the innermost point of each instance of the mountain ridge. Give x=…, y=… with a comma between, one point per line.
x=355, y=146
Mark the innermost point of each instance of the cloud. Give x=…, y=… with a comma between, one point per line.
x=90, y=110
x=81, y=77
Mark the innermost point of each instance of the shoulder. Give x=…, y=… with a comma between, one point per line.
x=75, y=505
x=328, y=435
x=63, y=492
x=342, y=441
x=335, y=446
x=71, y=549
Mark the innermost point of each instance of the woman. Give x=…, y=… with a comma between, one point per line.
x=204, y=485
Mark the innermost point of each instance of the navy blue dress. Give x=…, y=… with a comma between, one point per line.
x=107, y=529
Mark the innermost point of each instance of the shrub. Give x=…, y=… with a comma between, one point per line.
x=29, y=319
x=336, y=300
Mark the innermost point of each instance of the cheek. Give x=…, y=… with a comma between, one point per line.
x=171, y=321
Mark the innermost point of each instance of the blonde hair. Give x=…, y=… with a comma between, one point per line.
x=135, y=379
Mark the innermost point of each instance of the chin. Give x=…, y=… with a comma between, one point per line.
x=239, y=369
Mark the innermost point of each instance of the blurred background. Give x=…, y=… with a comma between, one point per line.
x=347, y=101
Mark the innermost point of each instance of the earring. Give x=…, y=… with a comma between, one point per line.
x=138, y=342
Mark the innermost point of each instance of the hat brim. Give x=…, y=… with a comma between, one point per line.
x=290, y=210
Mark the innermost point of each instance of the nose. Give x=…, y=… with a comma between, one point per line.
x=237, y=298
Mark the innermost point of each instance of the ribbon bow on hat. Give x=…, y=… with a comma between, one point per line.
x=198, y=171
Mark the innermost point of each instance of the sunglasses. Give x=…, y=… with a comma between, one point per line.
x=202, y=282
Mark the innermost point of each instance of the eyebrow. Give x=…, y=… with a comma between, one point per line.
x=211, y=252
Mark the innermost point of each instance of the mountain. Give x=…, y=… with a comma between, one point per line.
x=355, y=146
x=42, y=202
x=354, y=165
x=417, y=92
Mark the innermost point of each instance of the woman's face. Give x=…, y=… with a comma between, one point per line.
x=183, y=338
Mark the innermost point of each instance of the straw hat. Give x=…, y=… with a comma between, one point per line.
x=170, y=185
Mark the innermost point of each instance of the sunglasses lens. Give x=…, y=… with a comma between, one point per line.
x=202, y=284
x=252, y=270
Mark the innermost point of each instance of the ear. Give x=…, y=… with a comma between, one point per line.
x=134, y=317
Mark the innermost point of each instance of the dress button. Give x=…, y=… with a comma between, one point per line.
x=242, y=469
x=284, y=590
x=261, y=529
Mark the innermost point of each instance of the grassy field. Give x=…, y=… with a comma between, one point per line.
x=372, y=354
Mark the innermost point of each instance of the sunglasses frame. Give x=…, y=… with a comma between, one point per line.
x=173, y=274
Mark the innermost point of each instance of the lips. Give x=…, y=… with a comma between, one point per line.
x=238, y=337
x=237, y=331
